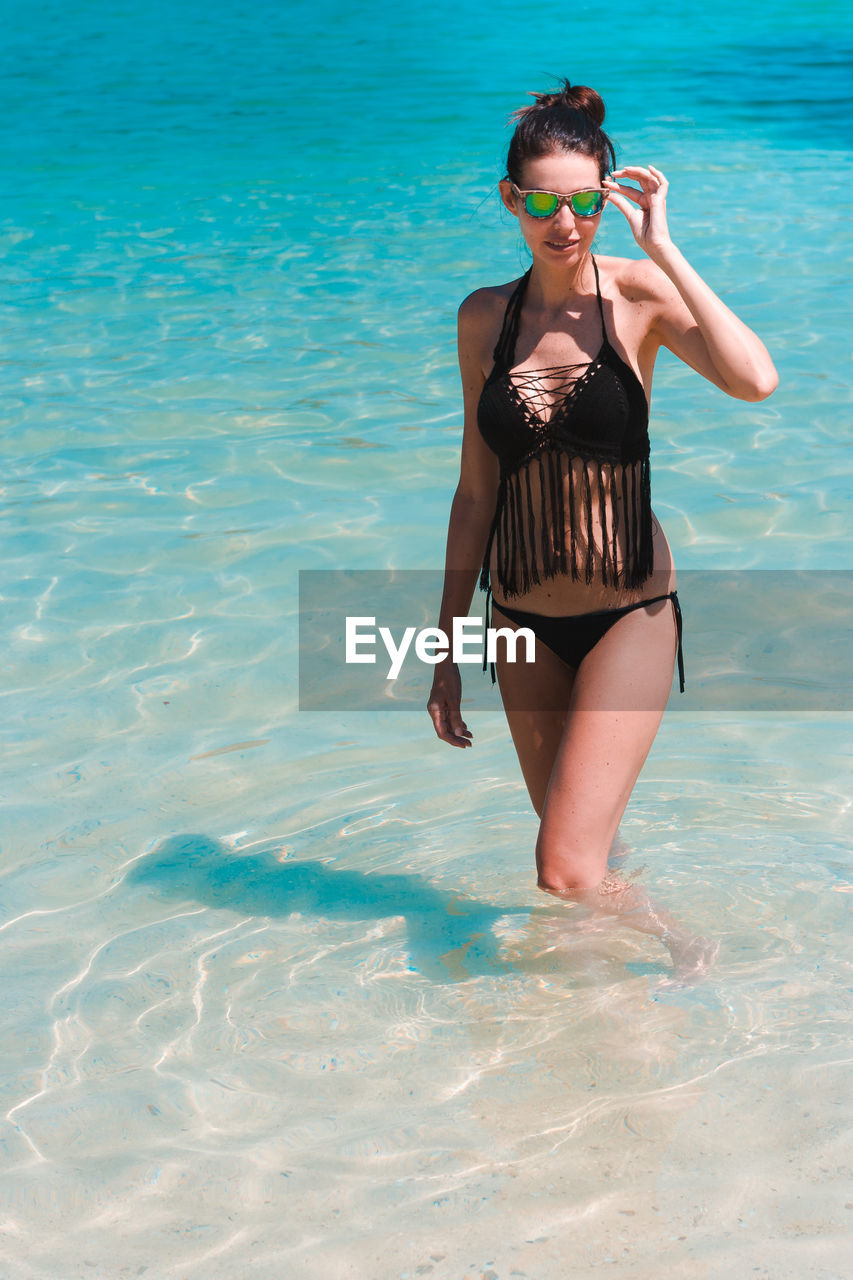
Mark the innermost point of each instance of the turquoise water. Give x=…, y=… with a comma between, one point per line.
x=282, y=997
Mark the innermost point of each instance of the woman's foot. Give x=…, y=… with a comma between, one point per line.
x=692, y=956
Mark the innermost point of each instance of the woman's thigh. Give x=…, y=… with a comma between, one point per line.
x=617, y=702
x=536, y=698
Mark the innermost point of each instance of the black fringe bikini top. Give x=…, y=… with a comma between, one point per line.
x=574, y=491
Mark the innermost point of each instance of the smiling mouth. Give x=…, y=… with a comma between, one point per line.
x=561, y=244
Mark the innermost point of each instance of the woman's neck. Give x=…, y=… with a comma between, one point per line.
x=550, y=288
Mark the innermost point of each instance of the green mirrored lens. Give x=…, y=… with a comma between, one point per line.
x=540, y=204
x=587, y=203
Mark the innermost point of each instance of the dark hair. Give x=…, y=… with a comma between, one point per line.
x=569, y=119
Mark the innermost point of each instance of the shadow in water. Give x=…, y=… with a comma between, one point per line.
x=450, y=936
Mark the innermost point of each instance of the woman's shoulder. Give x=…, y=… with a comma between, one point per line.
x=481, y=317
x=636, y=279
x=483, y=303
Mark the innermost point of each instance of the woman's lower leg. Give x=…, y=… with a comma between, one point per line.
x=614, y=896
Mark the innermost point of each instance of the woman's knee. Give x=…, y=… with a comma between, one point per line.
x=562, y=869
x=564, y=882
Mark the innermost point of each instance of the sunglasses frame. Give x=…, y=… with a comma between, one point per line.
x=561, y=200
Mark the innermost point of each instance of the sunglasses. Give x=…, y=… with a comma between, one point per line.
x=544, y=204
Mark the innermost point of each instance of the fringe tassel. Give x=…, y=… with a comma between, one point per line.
x=519, y=530
x=555, y=532
x=543, y=519
x=503, y=549
x=513, y=522
x=647, y=555
x=574, y=521
x=561, y=512
x=487, y=556
x=531, y=528
x=630, y=522
x=614, y=507
x=525, y=558
x=602, y=517
x=590, y=539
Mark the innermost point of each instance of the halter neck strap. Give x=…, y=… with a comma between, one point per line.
x=505, y=347
x=504, y=351
x=600, y=303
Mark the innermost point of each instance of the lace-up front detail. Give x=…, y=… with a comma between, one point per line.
x=574, y=494
x=543, y=394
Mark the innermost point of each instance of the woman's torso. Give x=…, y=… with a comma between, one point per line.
x=567, y=415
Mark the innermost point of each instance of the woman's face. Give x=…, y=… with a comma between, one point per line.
x=565, y=237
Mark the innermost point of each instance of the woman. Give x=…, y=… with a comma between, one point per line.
x=553, y=503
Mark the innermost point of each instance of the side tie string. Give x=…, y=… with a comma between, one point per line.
x=487, y=623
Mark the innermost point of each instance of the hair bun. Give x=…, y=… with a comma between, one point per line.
x=577, y=97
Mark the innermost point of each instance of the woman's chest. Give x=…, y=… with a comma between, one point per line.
x=595, y=409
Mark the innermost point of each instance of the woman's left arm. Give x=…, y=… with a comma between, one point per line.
x=691, y=320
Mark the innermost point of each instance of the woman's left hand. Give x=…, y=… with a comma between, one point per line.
x=647, y=214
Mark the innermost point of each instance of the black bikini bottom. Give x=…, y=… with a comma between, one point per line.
x=572, y=637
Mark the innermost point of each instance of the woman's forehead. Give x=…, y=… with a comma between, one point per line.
x=561, y=170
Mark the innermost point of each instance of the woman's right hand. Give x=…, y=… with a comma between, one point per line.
x=443, y=706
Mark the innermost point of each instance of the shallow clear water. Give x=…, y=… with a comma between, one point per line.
x=282, y=997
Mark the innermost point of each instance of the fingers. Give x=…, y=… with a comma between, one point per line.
x=448, y=723
x=617, y=191
x=638, y=172
x=455, y=740
x=620, y=202
x=617, y=196
x=651, y=180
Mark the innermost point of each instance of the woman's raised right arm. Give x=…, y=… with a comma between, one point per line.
x=471, y=512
